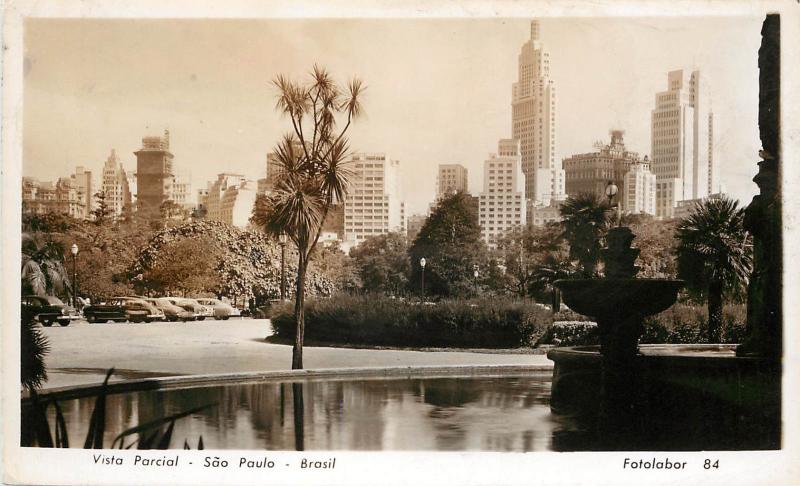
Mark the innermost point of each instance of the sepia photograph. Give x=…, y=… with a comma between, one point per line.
x=244, y=243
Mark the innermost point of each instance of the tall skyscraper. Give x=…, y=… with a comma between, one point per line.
x=682, y=145
x=154, y=175
x=115, y=185
x=533, y=107
x=82, y=180
x=373, y=205
x=451, y=178
x=502, y=202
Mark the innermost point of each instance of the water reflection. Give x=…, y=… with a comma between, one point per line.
x=481, y=414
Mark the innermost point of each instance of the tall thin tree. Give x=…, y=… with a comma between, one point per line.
x=314, y=174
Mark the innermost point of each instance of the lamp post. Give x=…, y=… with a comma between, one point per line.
x=475, y=274
x=74, y=251
x=611, y=191
x=422, y=264
x=282, y=240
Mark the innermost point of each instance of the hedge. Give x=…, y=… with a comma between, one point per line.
x=377, y=320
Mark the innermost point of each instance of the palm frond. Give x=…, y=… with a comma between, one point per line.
x=353, y=104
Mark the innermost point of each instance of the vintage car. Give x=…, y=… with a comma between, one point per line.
x=171, y=311
x=48, y=310
x=198, y=311
x=123, y=309
x=222, y=310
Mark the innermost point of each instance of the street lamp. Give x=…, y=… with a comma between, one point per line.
x=475, y=274
x=422, y=264
x=611, y=191
x=74, y=251
x=282, y=240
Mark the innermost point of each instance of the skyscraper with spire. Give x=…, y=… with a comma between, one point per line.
x=533, y=106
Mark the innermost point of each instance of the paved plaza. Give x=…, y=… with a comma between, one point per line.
x=81, y=352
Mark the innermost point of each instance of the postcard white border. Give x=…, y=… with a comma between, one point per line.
x=40, y=466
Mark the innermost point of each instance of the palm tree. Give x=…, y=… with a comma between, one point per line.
x=585, y=220
x=43, y=271
x=314, y=175
x=714, y=255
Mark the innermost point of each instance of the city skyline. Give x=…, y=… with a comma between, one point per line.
x=451, y=107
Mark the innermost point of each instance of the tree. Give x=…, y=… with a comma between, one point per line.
x=382, y=263
x=522, y=251
x=102, y=211
x=451, y=243
x=714, y=255
x=43, y=271
x=171, y=211
x=336, y=266
x=656, y=241
x=186, y=266
x=314, y=175
x=585, y=221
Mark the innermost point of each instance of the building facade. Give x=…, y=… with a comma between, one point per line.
x=154, y=175
x=540, y=215
x=591, y=172
x=229, y=199
x=533, y=107
x=682, y=142
x=451, y=178
x=45, y=197
x=115, y=186
x=639, y=195
x=374, y=205
x=502, y=204
x=82, y=180
x=182, y=190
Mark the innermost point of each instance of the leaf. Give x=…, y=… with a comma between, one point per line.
x=97, y=424
x=159, y=422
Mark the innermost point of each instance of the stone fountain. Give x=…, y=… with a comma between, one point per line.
x=684, y=397
x=619, y=304
x=638, y=397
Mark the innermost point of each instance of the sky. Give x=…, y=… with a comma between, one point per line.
x=438, y=90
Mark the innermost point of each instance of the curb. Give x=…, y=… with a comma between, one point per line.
x=254, y=377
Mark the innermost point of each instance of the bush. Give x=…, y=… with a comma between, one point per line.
x=477, y=323
x=571, y=333
x=680, y=324
x=686, y=324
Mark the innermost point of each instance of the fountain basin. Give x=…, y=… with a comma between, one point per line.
x=681, y=389
x=610, y=297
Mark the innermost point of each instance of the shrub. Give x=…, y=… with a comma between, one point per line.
x=477, y=323
x=571, y=333
x=686, y=324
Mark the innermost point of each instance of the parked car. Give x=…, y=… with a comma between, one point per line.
x=171, y=311
x=48, y=310
x=198, y=312
x=139, y=310
x=123, y=309
x=222, y=310
x=203, y=311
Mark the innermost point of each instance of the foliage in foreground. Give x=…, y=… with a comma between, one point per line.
x=37, y=431
x=373, y=320
x=34, y=346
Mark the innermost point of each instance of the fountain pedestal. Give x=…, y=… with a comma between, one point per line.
x=619, y=303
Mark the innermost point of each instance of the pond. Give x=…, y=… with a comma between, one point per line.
x=508, y=413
